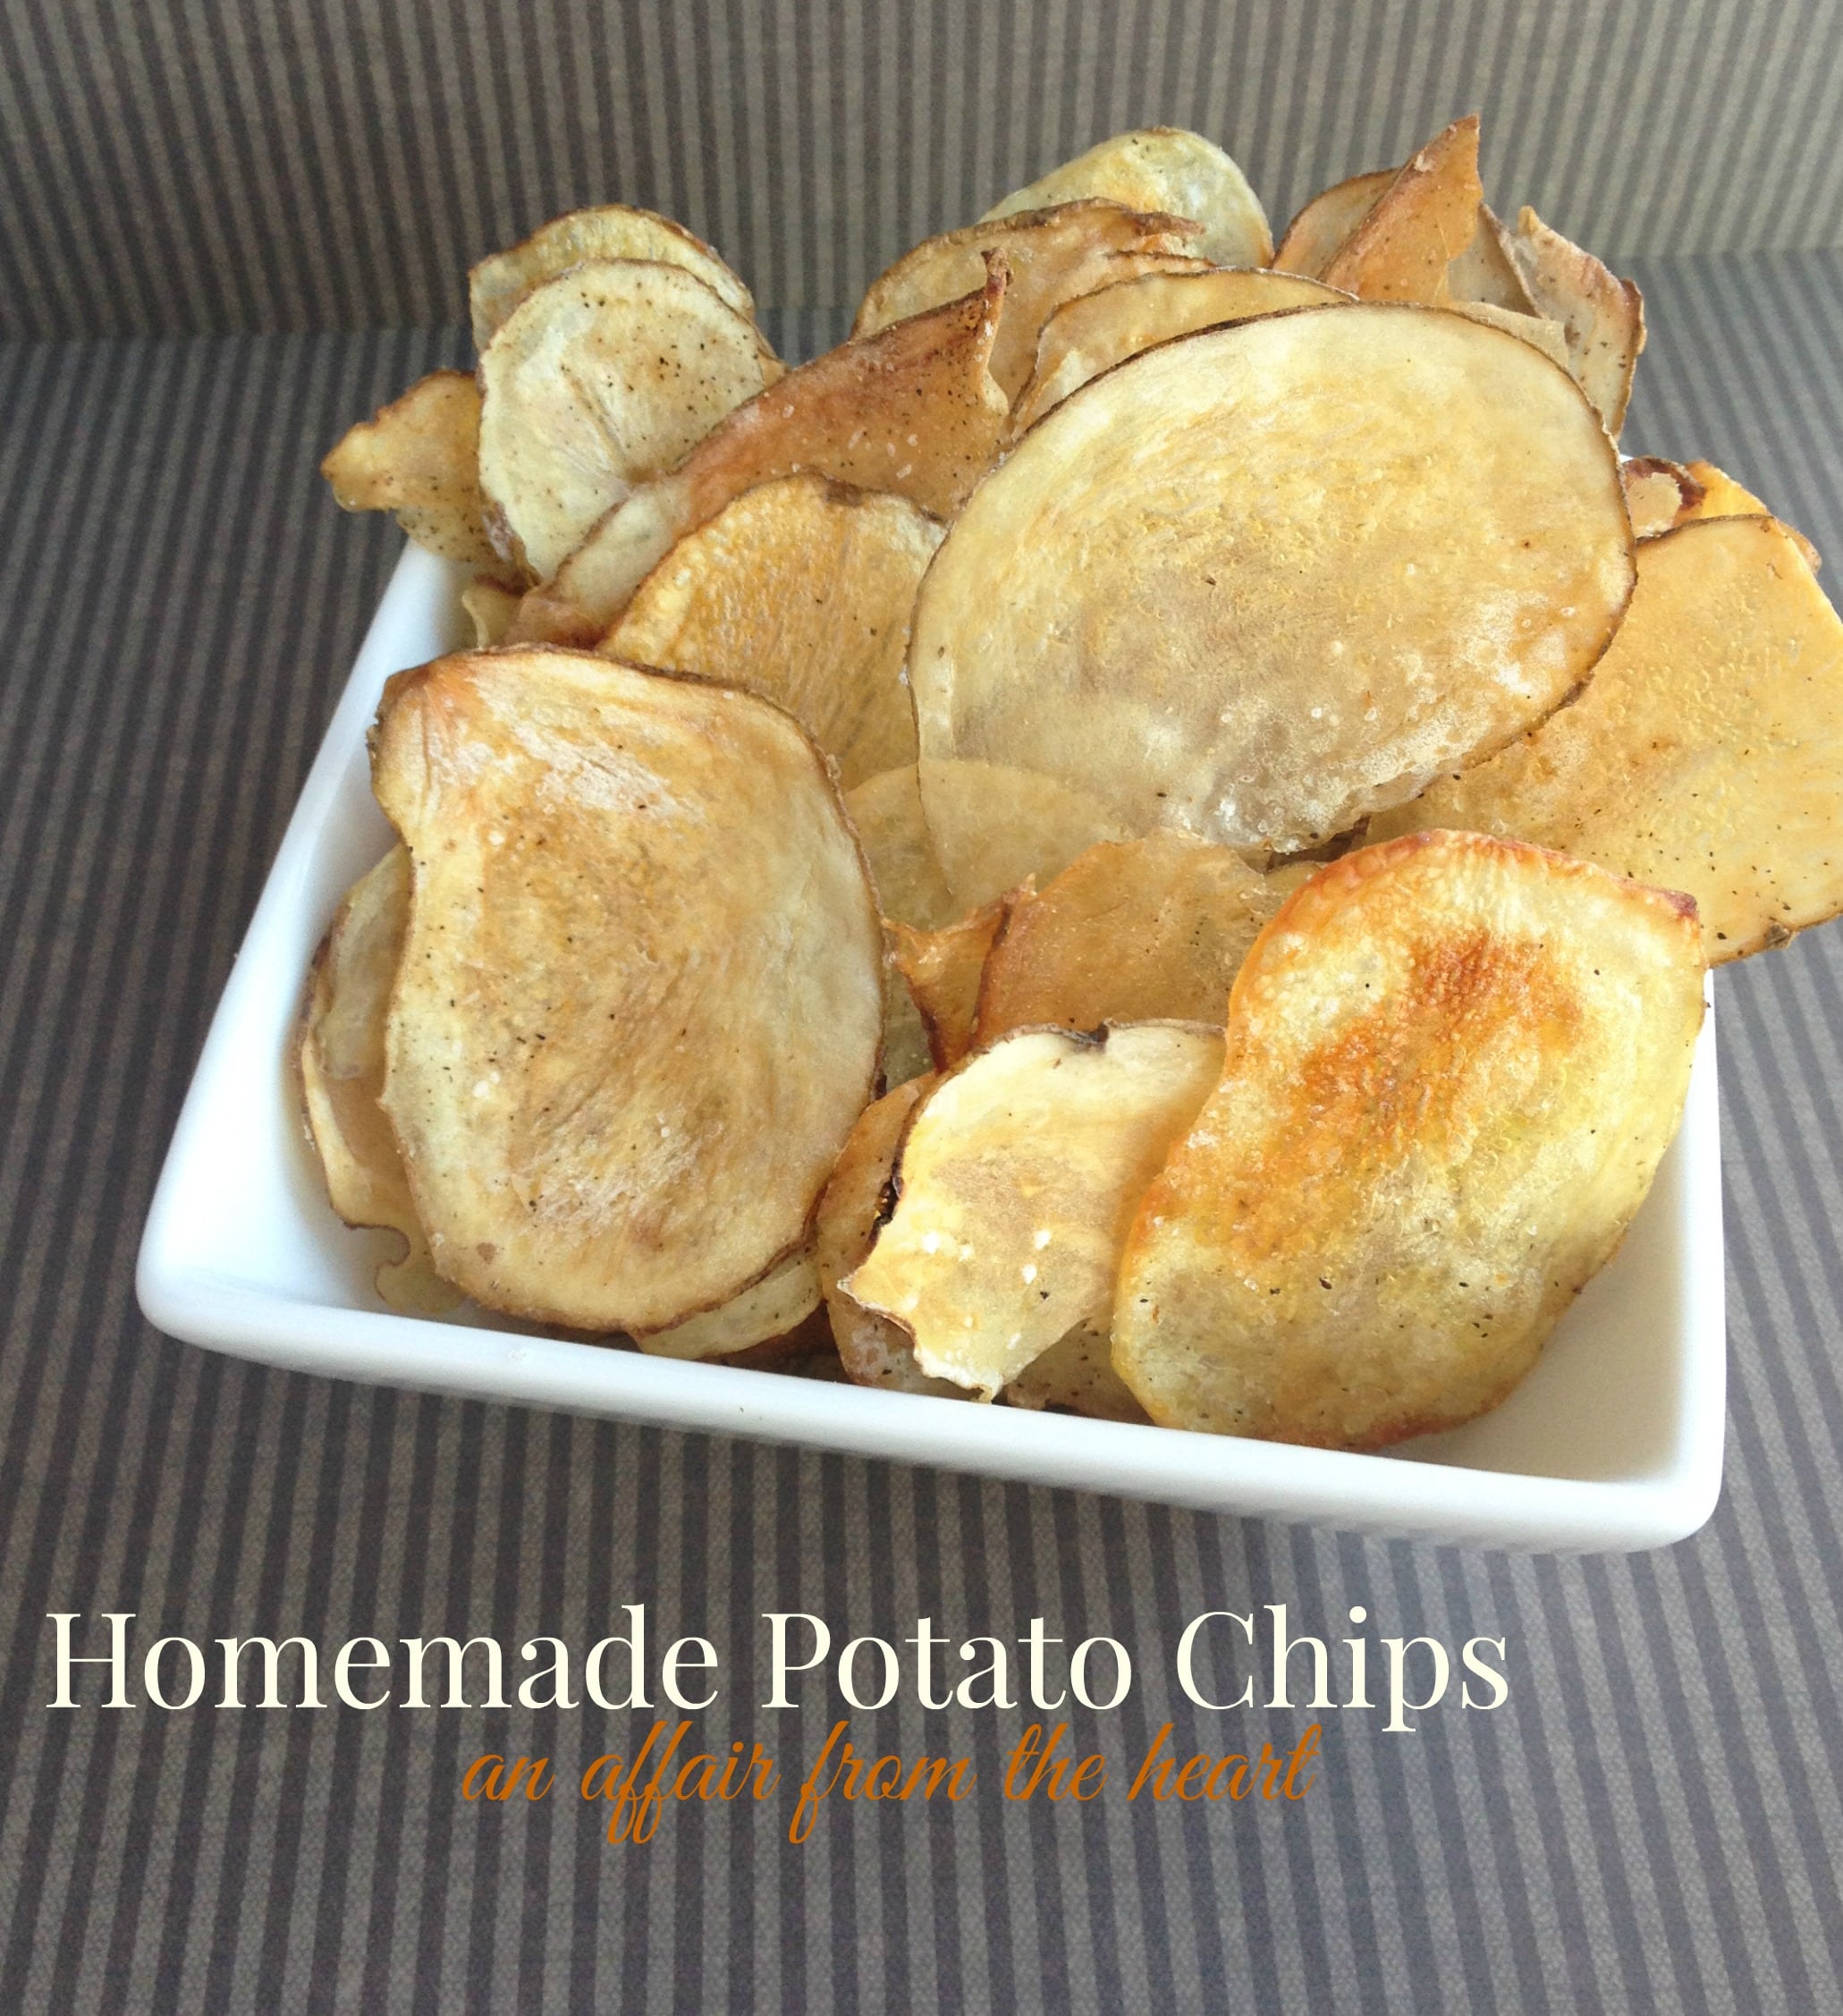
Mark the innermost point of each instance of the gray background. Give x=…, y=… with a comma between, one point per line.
x=224, y=233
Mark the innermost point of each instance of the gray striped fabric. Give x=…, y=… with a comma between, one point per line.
x=197, y=165
x=1653, y=1823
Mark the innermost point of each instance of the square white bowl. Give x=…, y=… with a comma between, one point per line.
x=1613, y=1441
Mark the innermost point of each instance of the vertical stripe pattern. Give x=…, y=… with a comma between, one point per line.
x=1655, y=1821
x=202, y=166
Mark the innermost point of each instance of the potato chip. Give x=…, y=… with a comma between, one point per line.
x=1017, y=1180
x=1321, y=228
x=1145, y=930
x=1075, y=1375
x=774, y=1307
x=1452, y=1065
x=1418, y=226
x=1660, y=495
x=1602, y=316
x=1536, y=330
x=911, y=409
x=597, y=382
x=612, y=231
x=942, y=969
x=1252, y=583
x=490, y=608
x=1051, y=256
x=910, y=887
x=1718, y=495
x=640, y=1000
x=994, y=824
x=1161, y=168
x=874, y=1350
x=418, y=458
x=339, y=1061
x=1704, y=754
x=1487, y=273
x=1094, y=333
x=800, y=590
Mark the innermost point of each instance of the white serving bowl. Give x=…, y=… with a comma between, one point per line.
x=1613, y=1441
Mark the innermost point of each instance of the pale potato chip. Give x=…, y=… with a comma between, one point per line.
x=1094, y=332
x=942, y=969
x=856, y=1199
x=611, y=230
x=1325, y=226
x=639, y=1005
x=339, y=1061
x=1602, y=316
x=800, y=590
x=418, y=459
x=911, y=409
x=1660, y=495
x=597, y=382
x=774, y=1307
x=911, y=886
x=1704, y=754
x=1420, y=224
x=1051, y=256
x=1252, y=583
x=1016, y=1179
x=1536, y=330
x=993, y=825
x=491, y=609
x=1161, y=168
x=1075, y=1375
x=1486, y=272
x=1143, y=931
x=1452, y=1065
x=1718, y=495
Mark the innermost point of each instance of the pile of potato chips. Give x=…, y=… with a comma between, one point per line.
x=1143, y=836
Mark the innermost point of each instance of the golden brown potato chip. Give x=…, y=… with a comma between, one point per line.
x=1487, y=273
x=597, y=382
x=912, y=410
x=1452, y=1065
x=1051, y=256
x=339, y=1059
x=1250, y=584
x=1659, y=495
x=943, y=969
x=612, y=231
x=875, y=1351
x=1705, y=755
x=1717, y=495
x=1017, y=1180
x=1161, y=168
x=800, y=590
x=1420, y=224
x=911, y=888
x=1094, y=332
x=1321, y=230
x=418, y=458
x=1145, y=930
x=774, y=1307
x=641, y=1001
x=1602, y=316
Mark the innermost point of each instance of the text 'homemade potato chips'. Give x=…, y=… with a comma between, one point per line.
x=1266, y=580
x=1016, y=1182
x=1452, y=1064
x=641, y=999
